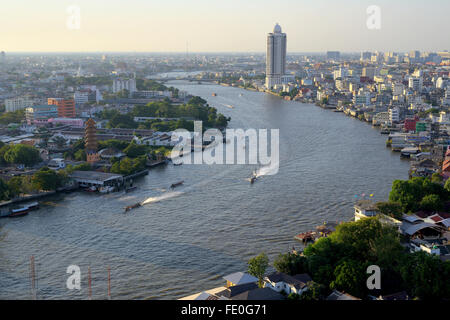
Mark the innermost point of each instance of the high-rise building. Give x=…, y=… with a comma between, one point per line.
x=276, y=57
x=394, y=115
x=366, y=56
x=66, y=107
x=124, y=84
x=414, y=56
x=369, y=72
x=397, y=88
x=18, y=103
x=415, y=83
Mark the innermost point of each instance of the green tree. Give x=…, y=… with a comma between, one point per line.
x=293, y=296
x=436, y=178
x=22, y=154
x=82, y=167
x=350, y=277
x=3, y=151
x=291, y=263
x=122, y=121
x=197, y=101
x=391, y=209
x=46, y=179
x=431, y=202
x=128, y=166
x=426, y=276
x=447, y=185
x=16, y=185
x=410, y=193
x=4, y=190
x=80, y=155
x=316, y=291
x=113, y=143
x=12, y=117
x=257, y=267
x=134, y=150
x=222, y=121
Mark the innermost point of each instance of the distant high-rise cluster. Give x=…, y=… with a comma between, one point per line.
x=276, y=57
x=124, y=84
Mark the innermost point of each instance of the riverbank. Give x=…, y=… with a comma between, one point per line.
x=216, y=221
x=40, y=195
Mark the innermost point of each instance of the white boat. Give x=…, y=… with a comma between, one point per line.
x=106, y=189
x=408, y=151
x=92, y=189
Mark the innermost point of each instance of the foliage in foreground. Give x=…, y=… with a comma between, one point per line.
x=340, y=262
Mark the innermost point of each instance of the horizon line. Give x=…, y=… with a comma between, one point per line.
x=216, y=52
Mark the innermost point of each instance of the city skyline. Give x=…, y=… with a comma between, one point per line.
x=160, y=27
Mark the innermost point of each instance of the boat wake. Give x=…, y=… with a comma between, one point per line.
x=227, y=105
x=267, y=170
x=126, y=198
x=167, y=195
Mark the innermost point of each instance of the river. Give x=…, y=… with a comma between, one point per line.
x=184, y=241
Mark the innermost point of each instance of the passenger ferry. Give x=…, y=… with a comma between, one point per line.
x=19, y=212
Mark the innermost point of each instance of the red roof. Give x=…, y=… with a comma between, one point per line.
x=436, y=218
x=446, y=165
x=444, y=215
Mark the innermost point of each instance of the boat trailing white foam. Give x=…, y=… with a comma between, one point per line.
x=165, y=196
x=267, y=170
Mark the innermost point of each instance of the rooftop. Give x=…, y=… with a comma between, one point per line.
x=95, y=175
x=366, y=205
x=411, y=229
x=240, y=278
x=299, y=281
x=336, y=295
x=259, y=294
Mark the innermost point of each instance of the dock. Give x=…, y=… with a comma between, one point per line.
x=322, y=230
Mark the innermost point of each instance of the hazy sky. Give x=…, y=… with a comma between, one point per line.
x=222, y=26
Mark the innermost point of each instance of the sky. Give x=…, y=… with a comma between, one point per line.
x=221, y=26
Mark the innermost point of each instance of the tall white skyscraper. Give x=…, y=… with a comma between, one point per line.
x=121, y=84
x=276, y=57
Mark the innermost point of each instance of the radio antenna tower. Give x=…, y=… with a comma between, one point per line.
x=109, y=283
x=33, y=279
x=89, y=284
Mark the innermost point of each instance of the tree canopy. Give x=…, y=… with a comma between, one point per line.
x=257, y=267
x=20, y=154
x=340, y=261
x=47, y=179
x=410, y=193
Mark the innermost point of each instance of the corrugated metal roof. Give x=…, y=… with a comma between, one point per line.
x=240, y=278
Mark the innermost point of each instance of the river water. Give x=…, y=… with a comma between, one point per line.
x=184, y=241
